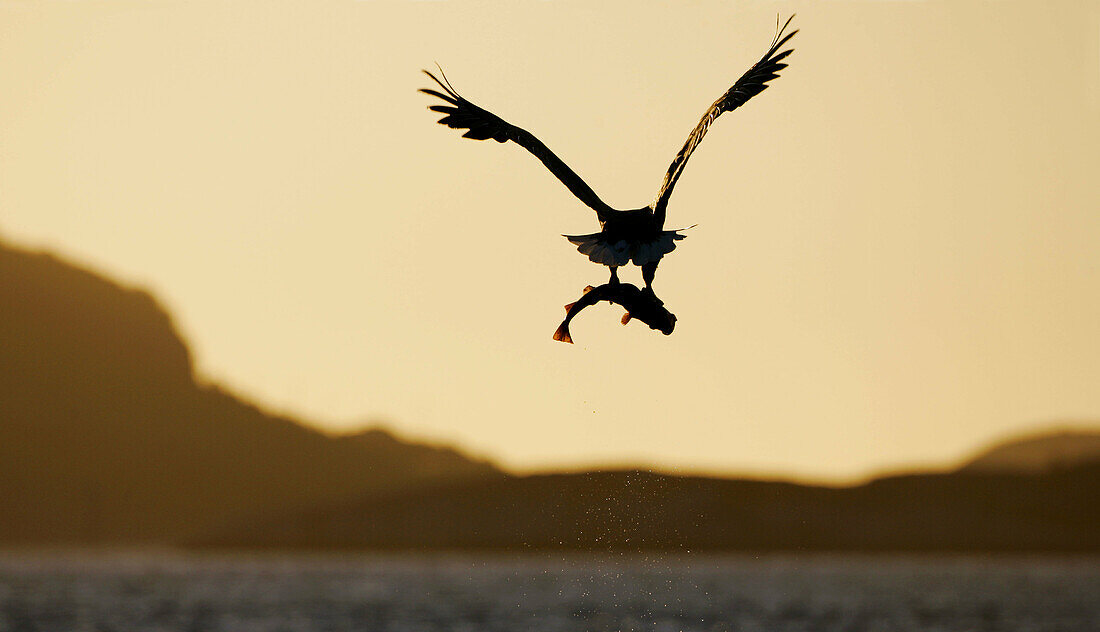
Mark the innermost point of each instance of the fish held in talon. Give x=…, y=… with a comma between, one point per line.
x=640, y=304
x=637, y=235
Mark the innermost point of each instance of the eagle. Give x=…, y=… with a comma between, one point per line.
x=625, y=236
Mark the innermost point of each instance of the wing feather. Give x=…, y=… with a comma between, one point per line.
x=481, y=124
x=752, y=83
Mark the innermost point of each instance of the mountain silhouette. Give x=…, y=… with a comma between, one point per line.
x=641, y=511
x=1039, y=452
x=106, y=437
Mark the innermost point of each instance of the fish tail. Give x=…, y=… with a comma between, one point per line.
x=562, y=333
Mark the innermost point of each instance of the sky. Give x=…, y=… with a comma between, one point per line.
x=895, y=260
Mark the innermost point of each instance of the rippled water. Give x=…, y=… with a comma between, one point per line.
x=175, y=592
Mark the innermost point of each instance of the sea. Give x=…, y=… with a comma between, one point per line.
x=169, y=591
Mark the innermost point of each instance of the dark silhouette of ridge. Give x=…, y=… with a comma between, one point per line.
x=641, y=511
x=1038, y=452
x=105, y=436
x=106, y=439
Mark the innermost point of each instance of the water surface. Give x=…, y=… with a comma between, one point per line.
x=161, y=591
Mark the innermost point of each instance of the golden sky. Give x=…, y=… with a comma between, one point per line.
x=896, y=260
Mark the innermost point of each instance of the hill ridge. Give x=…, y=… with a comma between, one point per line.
x=106, y=436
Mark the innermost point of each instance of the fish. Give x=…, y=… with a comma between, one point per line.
x=639, y=304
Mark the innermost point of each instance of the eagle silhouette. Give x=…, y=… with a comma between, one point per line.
x=634, y=235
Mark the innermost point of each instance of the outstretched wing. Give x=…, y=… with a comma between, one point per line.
x=480, y=124
x=749, y=85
